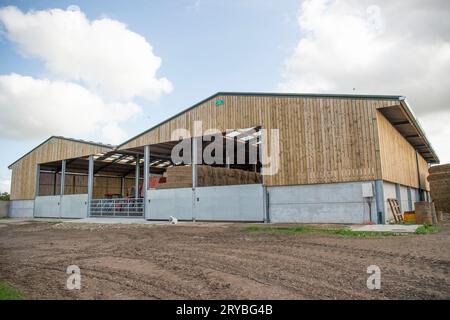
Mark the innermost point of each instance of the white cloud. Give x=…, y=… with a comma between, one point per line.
x=437, y=129
x=386, y=47
x=35, y=109
x=103, y=54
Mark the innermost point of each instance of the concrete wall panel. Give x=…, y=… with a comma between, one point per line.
x=230, y=203
x=47, y=207
x=404, y=198
x=389, y=193
x=4, y=209
x=170, y=202
x=320, y=203
x=21, y=208
x=74, y=206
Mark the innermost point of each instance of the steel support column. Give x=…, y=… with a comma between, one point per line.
x=136, y=179
x=410, y=204
x=122, y=187
x=261, y=155
x=146, y=178
x=62, y=185
x=38, y=183
x=90, y=184
x=398, y=195
x=38, y=178
x=379, y=199
x=194, y=161
x=63, y=178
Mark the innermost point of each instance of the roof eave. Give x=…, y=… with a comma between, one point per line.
x=62, y=138
x=413, y=119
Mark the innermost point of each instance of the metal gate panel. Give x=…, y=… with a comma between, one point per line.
x=47, y=206
x=230, y=203
x=170, y=202
x=74, y=206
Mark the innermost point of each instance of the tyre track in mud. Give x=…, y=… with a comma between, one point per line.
x=192, y=262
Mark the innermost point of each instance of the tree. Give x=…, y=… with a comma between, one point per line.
x=4, y=196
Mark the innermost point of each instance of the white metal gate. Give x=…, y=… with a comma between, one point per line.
x=67, y=206
x=123, y=208
x=219, y=203
x=170, y=202
x=230, y=203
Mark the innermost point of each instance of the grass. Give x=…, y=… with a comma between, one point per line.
x=339, y=231
x=9, y=293
x=426, y=229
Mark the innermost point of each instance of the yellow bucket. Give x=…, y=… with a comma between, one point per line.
x=409, y=216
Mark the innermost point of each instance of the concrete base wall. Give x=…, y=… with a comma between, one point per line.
x=320, y=203
x=21, y=208
x=4, y=209
x=406, y=204
x=389, y=193
x=404, y=198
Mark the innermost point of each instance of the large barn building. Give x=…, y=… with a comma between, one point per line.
x=305, y=158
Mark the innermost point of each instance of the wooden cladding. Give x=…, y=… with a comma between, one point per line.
x=78, y=184
x=23, y=182
x=322, y=140
x=398, y=158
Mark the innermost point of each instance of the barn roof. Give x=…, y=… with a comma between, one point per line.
x=267, y=94
x=400, y=116
x=99, y=144
x=403, y=120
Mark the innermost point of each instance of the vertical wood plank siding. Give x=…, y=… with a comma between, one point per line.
x=398, y=157
x=23, y=179
x=322, y=140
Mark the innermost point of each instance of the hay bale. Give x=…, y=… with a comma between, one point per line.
x=439, y=180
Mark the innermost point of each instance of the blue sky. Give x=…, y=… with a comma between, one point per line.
x=205, y=47
x=249, y=45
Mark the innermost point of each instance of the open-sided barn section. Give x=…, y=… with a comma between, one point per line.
x=305, y=158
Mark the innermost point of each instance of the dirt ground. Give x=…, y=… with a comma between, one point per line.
x=218, y=261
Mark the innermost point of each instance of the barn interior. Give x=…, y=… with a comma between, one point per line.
x=115, y=172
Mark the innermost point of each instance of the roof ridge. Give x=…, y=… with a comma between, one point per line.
x=63, y=138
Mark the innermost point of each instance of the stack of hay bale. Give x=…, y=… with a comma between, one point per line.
x=439, y=179
x=181, y=177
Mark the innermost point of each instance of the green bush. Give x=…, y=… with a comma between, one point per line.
x=4, y=196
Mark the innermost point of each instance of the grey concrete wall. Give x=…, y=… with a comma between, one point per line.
x=21, y=208
x=404, y=198
x=47, y=207
x=230, y=203
x=389, y=193
x=220, y=203
x=320, y=203
x=170, y=202
x=414, y=197
x=4, y=209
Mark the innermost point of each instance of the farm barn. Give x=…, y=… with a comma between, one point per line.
x=305, y=158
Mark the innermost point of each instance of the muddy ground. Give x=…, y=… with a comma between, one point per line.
x=218, y=261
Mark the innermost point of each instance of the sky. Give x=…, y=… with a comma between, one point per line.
x=108, y=70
